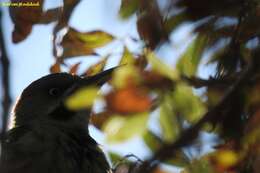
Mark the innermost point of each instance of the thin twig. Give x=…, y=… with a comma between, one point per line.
x=6, y=101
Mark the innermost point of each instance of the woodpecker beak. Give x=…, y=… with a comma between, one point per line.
x=95, y=80
x=98, y=79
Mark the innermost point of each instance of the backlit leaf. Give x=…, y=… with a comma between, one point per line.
x=126, y=75
x=77, y=43
x=160, y=67
x=128, y=100
x=96, y=68
x=119, y=128
x=152, y=141
x=189, y=61
x=128, y=8
x=74, y=68
x=55, y=68
x=168, y=122
x=127, y=57
x=187, y=104
x=82, y=99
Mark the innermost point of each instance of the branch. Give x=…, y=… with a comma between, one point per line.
x=6, y=101
x=213, y=115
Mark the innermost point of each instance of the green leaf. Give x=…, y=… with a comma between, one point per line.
x=189, y=61
x=119, y=128
x=127, y=57
x=187, y=104
x=114, y=157
x=160, y=67
x=95, y=39
x=201, y=165
x=152, y=141
x=128, y=8
x=82, y=99
x=168, y=120
x=76, y=43
x=179, y=159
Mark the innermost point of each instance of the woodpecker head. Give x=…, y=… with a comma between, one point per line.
x=43, y=100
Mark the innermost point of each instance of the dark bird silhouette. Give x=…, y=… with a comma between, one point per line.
x=49, y=138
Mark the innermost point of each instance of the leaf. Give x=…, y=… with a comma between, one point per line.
x=55, y=68
x=120, y=129
x=201, y=165
x=128, y=8
x=127, y=57
x=114, y=157
x=96, y=68
x=152, y=141
x=160, y=67
x=187, y=104
x=168, y=121
x=74, y=68
x=179, y=159
x=77, y=43
x=95, y=39
x=82, y=99
x=189, y=61
x=24, y=18
x=99, y=119
x=126, y=75
x=226, y=158
x=134, y=100
x=51, y=15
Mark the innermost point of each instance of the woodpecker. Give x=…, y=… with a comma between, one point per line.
x=47, y=136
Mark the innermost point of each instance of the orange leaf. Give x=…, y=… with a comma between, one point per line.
x=74, y=68
x=128, y=100
x=55, y=68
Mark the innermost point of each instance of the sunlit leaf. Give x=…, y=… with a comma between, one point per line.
x=55, y=68
x=119, y=129
x=189, y=61
x=77, y=43
x=152, y=141
x=96, y=68
x=128, y=100
x=168, y=120
x=226, y=158
x=160, y=67
x=74, y=68
x=95, y=39
x=128, y=8
x=82, y=99
x=187, y=104
x=126, y=75
x=127, y=57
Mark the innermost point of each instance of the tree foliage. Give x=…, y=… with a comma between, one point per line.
x=143, y=85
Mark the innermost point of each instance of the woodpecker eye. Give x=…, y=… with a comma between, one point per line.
x=54, y=91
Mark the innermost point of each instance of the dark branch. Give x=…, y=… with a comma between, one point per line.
x=6, y=101
x=212, y=116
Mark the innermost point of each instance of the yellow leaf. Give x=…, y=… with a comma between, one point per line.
x=96, y=68
x=119, y=129
x=127, y=57
x=95, y=39
x=82, y=99
x=226, y=158
x=160, y=67
x=125, y=75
